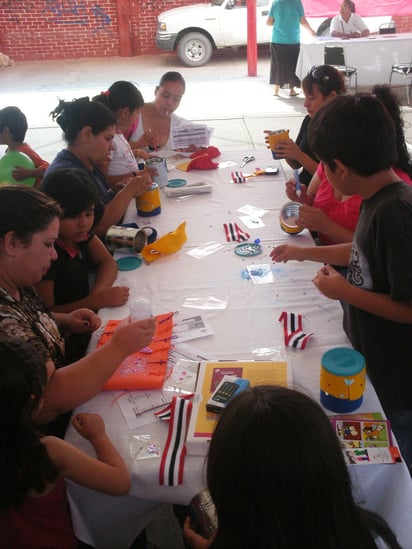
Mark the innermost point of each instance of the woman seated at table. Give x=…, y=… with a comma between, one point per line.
x=320, y=86
x=278, y=479
x=157, y=119
x=331, y=216
x=29, y=225
x=89, y=128
x=348, y=24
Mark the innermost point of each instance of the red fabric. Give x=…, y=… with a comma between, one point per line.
x=42, y=523
x=145, y=369
x=344, y=213
x=403, y=175
x=211, y=152
x=202, y=162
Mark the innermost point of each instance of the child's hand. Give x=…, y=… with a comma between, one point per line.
x=82, y=320
x=285, y=252
x=331, y=283
x=196, y=541
x=286, y=148
x=313, y=219
x=19, y=174
x=291, y=191
x=116, y=296
x=89, y=426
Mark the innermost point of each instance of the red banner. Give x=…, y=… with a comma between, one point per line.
x=371, y=8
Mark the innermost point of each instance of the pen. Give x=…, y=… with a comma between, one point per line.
x=297, y=182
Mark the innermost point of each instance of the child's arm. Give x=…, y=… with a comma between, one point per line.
x=108, y=473
x=334, y=286
x=337, y=254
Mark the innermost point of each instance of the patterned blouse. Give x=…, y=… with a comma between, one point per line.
x=30, y=320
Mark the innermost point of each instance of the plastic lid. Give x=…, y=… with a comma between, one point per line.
x=177, y=183
x=342, y=361
x=128, y=263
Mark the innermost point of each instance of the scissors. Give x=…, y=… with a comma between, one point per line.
x=246, y=159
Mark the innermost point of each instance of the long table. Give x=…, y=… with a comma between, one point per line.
x=246, y=326
x=373, y=56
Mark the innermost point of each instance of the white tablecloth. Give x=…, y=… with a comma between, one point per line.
x=247, y=328
x=373, y=56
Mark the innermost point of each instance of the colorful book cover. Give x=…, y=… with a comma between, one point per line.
x=365, y=439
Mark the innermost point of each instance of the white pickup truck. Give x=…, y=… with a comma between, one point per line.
x=194, y=31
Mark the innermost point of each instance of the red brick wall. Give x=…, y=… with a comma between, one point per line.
x=63, y=29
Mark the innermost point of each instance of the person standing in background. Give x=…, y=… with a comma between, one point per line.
x=348, y=24
x=286, y=16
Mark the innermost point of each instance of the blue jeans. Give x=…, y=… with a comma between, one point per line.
x=401, y=423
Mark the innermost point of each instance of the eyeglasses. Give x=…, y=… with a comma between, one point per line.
x=319, y=74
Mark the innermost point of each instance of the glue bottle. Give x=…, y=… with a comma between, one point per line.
x=140, y=309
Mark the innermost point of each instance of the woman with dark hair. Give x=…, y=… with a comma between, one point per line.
x=320, y=86
x=157, y=118
x=278, y=479
x=29, y=225
x=348, y=24
x=125, y=101
x=89, y=128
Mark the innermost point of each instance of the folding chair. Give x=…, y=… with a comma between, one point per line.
x=334, y=54
x=387, y=28
x=405, y=70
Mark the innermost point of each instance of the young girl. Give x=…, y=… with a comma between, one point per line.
x=66, y=285
x=125, y=101
x=33, y=507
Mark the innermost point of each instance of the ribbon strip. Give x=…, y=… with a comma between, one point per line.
x=235, y=233
x=293, y=330
x=173, y=457
x=238, y=177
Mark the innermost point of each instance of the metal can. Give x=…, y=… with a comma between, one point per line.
x=160, y=165
x=342, y=379
x=118, y=237
x=148, y=203
x=288, y=215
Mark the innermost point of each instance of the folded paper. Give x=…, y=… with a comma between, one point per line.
x=167, y=244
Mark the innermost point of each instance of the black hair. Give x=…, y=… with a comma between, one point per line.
x=351, y=5
x=172, y=76
x=24, y=462
x=73, y=116
x=392, y=105
x=25, y=211
x=357, y=130
x=326, y=78
x=16, y=121
x=121, y=95
x=73, y=189
x=278, y=478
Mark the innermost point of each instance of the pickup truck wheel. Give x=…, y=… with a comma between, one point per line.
x=194, y=49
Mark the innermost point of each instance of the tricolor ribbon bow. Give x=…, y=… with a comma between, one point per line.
x=234, y=233
x=172, y=462
x=292, y=327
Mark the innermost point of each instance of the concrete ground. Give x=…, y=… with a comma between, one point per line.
x=221, y=94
